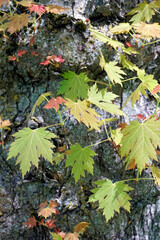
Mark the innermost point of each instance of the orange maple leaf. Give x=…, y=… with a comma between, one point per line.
x=5, y=123
x=2, y=2
x=50, y=223
x=17, y=22
x=21, y=52
x=12, y=58
x=55, y=9
x=156, y=89
x=71, y=236
x=54, y=103
x=35, y=54
x=31, y=222
x=46, y=212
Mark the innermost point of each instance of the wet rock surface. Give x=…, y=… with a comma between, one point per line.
x=20, y=86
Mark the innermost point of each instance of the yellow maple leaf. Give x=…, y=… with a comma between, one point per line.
x=148, y=31
x=83, y=113
x=5, y=123
x=25, y=3
x=80, y=227
x=17, y=22
x=55, y=9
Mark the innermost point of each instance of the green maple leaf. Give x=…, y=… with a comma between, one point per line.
x=140, y=141
x=126, y=63
x=156, y=174
x=143, y=12
x=83, y=113
x=147, y=82
x=114, y=72
x=29, y=145
x=74, y=86
x=80, y=159
x=41, y=98
x=56, y=236
x=103, y=101
x=115, y=44
x=121, y=28
x=111, y=196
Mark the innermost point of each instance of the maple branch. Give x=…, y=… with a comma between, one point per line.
x=98, y=82
x=158, y=101
x=145, y=44
x=135, y=179
x=98, y=142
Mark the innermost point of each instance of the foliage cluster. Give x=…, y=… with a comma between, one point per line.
x=136, y=143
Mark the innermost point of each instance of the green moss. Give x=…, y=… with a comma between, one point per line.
x=80, y=26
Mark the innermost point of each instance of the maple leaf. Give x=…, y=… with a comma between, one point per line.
x=34, y=53
x=126, y=63
x=2, y=2
x=148, y=31
x=17, y=21
x=156, y=89
x=50, y=223
x=39, y=9
x=121, y=28
x=83, y=113
x=31, y=222
x=58, y=59
x=43, y=205
x=104, y=121
x=103, y=100
x=74, y=86
x=29, y=145
x=58, y=157
x=147, y=82
x=131, y=165
x=140, y=116
x=41, y=98
x=156, y=174
x=111, y=196
x=143, y=12
x=116, y=135
x=54, y=103
x=114, y=72
x=80, y=159
x=46, y=62
x=140, y=141
x=56, y=236
x=115, y=44
x=25, y=3
x=71, y=236
x=80, y=227
x=12, y=58
x=55, y=9
x=47, y=211
x=4, y=124
x=21, y=53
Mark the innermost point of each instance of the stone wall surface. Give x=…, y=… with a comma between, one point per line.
x=20, y=86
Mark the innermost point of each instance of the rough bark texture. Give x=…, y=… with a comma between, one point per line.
x=20, y=86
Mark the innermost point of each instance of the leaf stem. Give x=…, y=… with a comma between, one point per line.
x=99, y=82
x=129, y=79
x=158, y=101
x=136, y=179
x=98, y=143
